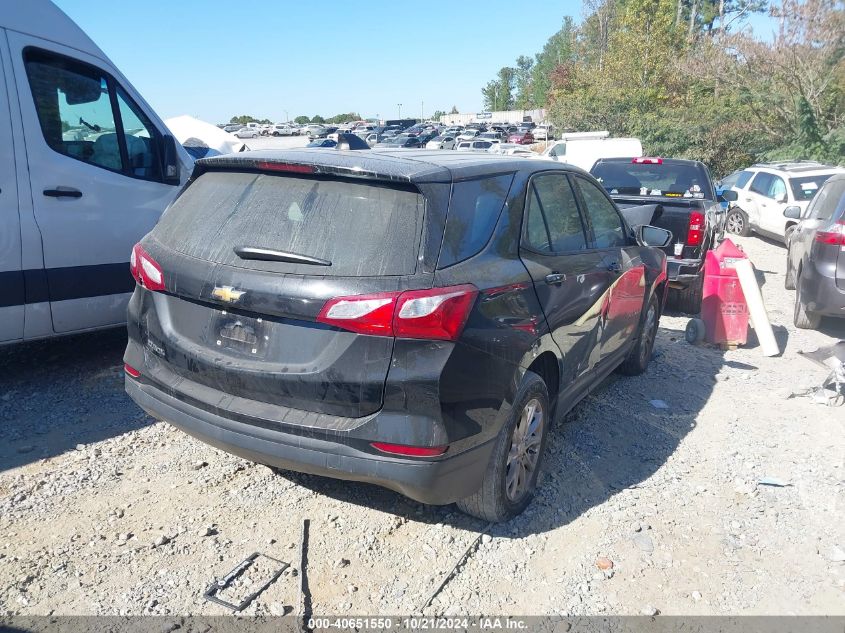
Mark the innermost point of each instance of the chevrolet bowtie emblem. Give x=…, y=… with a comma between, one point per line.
x=227, y=294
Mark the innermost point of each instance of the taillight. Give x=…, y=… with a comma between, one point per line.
x=412, y=451
x=835, y=236
x=435, y=314
x=145, y=269
x=695, y=233
x=645, y=160
x=129, y=369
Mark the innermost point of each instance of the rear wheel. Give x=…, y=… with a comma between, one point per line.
x=737, y=222
x=688, y=300
x=640, y=355
x=511, y=476
x=803, y=318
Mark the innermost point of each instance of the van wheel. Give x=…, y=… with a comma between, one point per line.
x=640, y=355
x=803, y=318
x=737, y=222
x=688, y=300
x=511, y=476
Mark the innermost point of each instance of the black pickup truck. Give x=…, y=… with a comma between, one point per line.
x=684, y=201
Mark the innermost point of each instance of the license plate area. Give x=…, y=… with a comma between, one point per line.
x=243, y=335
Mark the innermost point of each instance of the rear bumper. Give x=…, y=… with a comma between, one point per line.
x=819, y=289
x=436, y=481
x=682, y=272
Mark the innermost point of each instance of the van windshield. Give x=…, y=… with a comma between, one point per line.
x=363, y=229
x=670, y=180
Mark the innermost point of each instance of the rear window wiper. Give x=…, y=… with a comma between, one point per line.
x=271, y=255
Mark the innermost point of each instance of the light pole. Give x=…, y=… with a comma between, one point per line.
x=400, y=110
x=287, y=118
x=422, y=111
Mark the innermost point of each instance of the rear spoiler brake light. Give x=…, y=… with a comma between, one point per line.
x=644, y=160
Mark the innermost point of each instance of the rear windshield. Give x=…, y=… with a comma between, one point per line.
x=363, y=229
x=805, y=188
x=684, y=180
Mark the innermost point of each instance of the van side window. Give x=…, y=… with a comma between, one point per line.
x=554, y=224
x=85, y=116
x=607, y=224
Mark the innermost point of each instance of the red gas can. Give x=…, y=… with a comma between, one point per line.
x=723, y=307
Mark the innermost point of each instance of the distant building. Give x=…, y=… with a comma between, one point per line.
x=503, y=116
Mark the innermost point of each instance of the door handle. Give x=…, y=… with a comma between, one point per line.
x=614, y=267
x=555, y=278
x=63, y=193
x=748, y=199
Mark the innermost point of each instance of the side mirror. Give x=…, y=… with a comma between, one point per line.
x=170, y=161
x=648, y=235
x=728, y=195
x=793, y=213
x=781, y=198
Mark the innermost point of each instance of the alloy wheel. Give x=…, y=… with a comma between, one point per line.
x=735, y=223
x=649, y=333
x=524, y=453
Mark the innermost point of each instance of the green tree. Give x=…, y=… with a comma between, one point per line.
x=524, y=94
x=437, y=114
x=454, y=110
x=498, y=93
x=301, y=120
x=317, y=119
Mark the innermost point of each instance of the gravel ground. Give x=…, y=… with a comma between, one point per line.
x=641, y=509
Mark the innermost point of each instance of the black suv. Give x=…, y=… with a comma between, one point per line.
x=411, y=321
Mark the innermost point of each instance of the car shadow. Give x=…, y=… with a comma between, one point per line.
x=55, y=394
x=613, y=440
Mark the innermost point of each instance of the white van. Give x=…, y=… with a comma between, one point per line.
x=86, y=169
x=583, y=149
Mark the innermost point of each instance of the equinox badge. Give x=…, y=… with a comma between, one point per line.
x=227, y=294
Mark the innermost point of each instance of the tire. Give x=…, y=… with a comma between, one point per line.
x=789, y=276
x=803, y=318
x=640, y=355
x=492, y=501
x=688, y=300
x=695, y=332
x=737, y=222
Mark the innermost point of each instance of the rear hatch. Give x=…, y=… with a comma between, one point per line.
x=250, y=259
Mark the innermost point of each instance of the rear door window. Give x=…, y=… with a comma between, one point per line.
x=554, y=224
x=363, y=229
x=473, y=213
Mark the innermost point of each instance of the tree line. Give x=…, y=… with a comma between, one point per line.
x=690, y=80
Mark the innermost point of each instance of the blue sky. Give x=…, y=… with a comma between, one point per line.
x=214, y=59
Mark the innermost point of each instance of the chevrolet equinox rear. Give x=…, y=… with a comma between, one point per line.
x=413, y=322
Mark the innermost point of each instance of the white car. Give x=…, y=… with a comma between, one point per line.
x=513, y=149
x=282, y=130
x=767, y=190
x=468, y=135
x=486, y=145
x=542, y=133
x=441, y=142
x=247, y=132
